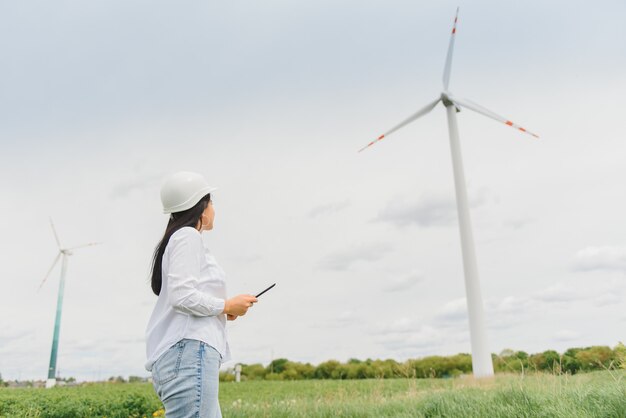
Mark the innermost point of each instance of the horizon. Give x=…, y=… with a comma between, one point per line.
x=231, y=368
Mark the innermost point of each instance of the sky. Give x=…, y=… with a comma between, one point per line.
x=270, y=101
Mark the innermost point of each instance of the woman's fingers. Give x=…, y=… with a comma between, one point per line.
x=240, y=304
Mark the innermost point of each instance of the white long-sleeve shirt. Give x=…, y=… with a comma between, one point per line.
x=191, y=301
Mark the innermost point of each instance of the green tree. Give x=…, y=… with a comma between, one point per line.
x=511, y=361
x=290, y=372
x=619, y=351
x=507, y=352
x=596, y=358
x=227, y=376
x=358, y=371
x=253, y=371
x=386, y=368
x=305, y=371
x=549, y=361
x=325, y=370
x=277, y=366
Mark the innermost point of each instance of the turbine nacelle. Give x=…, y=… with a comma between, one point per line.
x=447, y=101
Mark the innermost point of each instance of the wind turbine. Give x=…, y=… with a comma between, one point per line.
x=63, y=253
x=482, y=364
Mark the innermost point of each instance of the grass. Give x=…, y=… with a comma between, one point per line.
x=587, y=395
x=598, y=394
x=90, y=400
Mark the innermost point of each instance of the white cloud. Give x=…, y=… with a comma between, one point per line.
x=559, y=293
x=481, y=197
x=328, y=209
x=509, y=305
x=608, y=298
x=518, y=223
x=505, y=312
x=344, y=259
x=10, y=339
x=397, y=326
x=401, y=283
x=601, y=258
x=566, y=335
x=453, y=311
x=345, y=318
x=407, y=337
x=432, y=209
x=137, y=184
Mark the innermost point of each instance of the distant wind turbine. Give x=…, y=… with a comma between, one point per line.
x=482, y=364
x=63, y=253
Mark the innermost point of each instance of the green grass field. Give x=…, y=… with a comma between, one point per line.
x=598, y=394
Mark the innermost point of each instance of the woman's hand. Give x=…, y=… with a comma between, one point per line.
x=239, y=305
x=230, y=317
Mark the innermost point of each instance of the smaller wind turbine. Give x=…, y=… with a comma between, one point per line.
x=63, y=253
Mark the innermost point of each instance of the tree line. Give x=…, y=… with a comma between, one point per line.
x=572, y=361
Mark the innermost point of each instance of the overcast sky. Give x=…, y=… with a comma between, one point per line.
x=100, y=100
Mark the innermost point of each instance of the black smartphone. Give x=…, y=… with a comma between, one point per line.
x=265, y=290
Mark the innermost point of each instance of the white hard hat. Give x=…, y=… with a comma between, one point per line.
x=182, y=190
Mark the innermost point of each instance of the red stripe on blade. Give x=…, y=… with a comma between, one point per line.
x=380, y=137
x=508, y=122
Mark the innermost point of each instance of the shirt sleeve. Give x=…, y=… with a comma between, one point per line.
x=185, y=255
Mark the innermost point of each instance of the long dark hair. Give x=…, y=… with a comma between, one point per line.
x=189, y=217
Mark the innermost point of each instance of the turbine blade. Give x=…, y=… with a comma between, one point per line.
x=448, y=66
x=405, y=122
x=468, y=104
x=54, y=263
x=84, y=245
x=56, y=237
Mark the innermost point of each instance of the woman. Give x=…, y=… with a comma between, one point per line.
x=186, y=335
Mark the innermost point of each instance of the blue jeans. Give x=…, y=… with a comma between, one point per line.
x=186, y=378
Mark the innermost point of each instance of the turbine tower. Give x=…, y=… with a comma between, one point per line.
x=482, y=364
x=63, y=253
